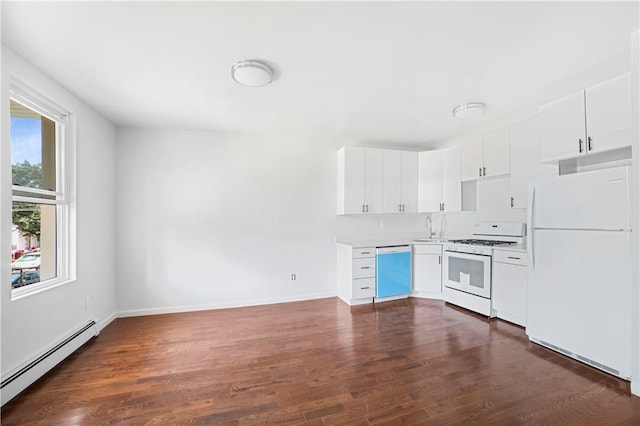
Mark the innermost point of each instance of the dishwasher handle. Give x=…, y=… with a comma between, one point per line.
x=393, y=249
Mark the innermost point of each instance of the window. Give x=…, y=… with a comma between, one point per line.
x=40, y=194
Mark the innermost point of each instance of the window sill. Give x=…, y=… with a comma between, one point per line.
x=31, y=289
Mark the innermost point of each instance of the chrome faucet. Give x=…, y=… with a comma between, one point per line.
x=429, y=227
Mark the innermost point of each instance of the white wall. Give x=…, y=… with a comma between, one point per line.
x=210, y=220
x=32, y=324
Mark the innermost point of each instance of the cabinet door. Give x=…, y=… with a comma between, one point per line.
x=451, y=182
x=427, y=274
x=510, y=292
x=471, y=160
x=409, y=182
x=351, y=180
x=429, y=181
x=392, y=172
x=525, y=161
x=562, y=128
x=496, y=154
x=373, y=180
x=609, y=115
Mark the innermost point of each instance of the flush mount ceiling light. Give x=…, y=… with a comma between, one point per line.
x=470, y=110
x=251, y=73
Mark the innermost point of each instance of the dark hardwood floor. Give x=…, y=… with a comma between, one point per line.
x=322, y=363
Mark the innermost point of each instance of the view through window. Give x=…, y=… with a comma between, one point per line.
x=38, y=200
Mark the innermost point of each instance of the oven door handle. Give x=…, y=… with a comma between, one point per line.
x=464, y=255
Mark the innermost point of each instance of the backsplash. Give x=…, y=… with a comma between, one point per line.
x=493, y=197
x=380, y=224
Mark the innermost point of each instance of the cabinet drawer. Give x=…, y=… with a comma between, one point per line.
x=427, y=249
x=360, y=252
x=512, y=257
x=365, y=287
x=364, y=268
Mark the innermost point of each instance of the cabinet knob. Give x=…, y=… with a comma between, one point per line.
x=589, y=147
x=579, y=145
x=512, y=201
x=484, y=171
x=479, y=171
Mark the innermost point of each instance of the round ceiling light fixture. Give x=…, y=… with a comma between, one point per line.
x=470, y=110
x=252, y=73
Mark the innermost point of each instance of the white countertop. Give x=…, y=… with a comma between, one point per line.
x=514, y=247
x=408, y=239
x=380, y=240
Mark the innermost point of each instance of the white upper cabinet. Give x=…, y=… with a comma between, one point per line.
x=400, y=181
x=373, y=180
x=360, y=180
x=409, y=182
x=471, y=160
x=430, y=181
x=525, y=160
x=392, y=181
x=496, y=154
x=486, y=157
x=451, y=181
x=439, y=185
x=562, y=128
x=594, y=120
x=609, y=115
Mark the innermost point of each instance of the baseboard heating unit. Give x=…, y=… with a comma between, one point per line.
x=18, y=380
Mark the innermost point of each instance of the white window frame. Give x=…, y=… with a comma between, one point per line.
x=64, y=194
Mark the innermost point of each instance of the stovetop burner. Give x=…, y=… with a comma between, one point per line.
x=482, y=242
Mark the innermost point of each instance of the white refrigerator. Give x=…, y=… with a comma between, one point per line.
x=580, y=267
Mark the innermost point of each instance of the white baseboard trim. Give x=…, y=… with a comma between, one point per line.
x=427, y=295
x=635, y=388
x=105, y=322
x=206, y=307
x=390, y=298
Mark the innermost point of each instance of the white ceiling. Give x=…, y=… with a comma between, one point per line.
x=370, y=72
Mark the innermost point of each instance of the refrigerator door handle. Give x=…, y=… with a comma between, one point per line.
x=530, y=221
x=531, y=251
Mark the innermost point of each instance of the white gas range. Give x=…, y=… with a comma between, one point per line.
x=466, y=266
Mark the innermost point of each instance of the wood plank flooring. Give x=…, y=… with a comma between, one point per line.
x=321, y=362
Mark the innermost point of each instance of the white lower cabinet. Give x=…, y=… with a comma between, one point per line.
x=356, y=274
x=427, y=271
x=509, y=296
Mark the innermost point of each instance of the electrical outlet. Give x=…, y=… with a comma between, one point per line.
x=293, y=277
